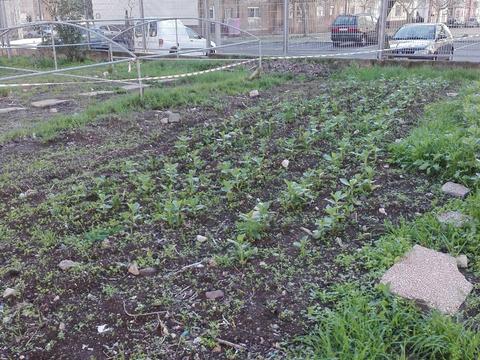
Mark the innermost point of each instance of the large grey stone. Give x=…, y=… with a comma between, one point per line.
x=67, y=264
x=254, y=93
x=454, y=218
x=173, y=117
x=10, y=109
x=48, y=103
x=430, y=278
x=454, y=189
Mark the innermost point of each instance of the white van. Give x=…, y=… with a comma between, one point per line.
x=170, y=36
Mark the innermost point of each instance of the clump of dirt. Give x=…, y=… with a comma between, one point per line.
x=306, y=68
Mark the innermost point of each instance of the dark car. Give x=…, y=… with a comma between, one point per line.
x=472, y=22
x=359, y=29
x=455, y=23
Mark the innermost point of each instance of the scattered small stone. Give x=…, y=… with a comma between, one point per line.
x=11, y=109
x=382, y=211
x=452, y=94
x=106, y=244
x=339, y=242
x=164, y=121
x=197, y=340
x=212, y=263
x=61, y=327
x=454, y=218
x=133, y=269
x=56, y=298
x=386, y=166
x=48, y=103
x=456, y=190
x=67, y=264
x=148, y=271
x=91, y=297
x=307, y=231
x=9, y=292
x=262, y=263
x=53, y=110
x=462, y=261
x=254, y=93
x=429, y=277
x=285, y=163
x=201, y=238
x=217, y=349
x=216, y=294
x=173, y=117
x=27, y=193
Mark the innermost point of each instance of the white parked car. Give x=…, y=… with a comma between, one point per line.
x=421, y=41
x=170, y=36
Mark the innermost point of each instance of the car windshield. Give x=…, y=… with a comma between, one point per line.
x=345, y=20
x=415, y=33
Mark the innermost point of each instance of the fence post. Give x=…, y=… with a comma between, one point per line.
x=207, y=22
x=53, y=48
x=144, y=26
x=85, y=11
x=176, y=37
x=382, y=24
x=285, y=27
x=9, y=48
x=218, y=18
x=139, y=75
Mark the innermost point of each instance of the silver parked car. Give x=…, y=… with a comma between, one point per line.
x=421, y=41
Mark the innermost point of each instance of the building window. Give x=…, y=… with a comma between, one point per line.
x=331, y=9
x=398, y=10
x=228, y=13
x=320, y=11
x=211, y=13
x=253, y=12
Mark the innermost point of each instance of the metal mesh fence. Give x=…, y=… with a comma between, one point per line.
x=336, y=28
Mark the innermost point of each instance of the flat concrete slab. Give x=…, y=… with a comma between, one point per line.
x=456, y=190
x=429, y=277
x=11, y=109
x=48, y=103
x=454, y=218
x=132, y=87
x=97, y=93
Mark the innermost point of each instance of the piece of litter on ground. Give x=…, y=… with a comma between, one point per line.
x=103, y=328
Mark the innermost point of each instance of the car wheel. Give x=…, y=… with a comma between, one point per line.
x=450, y=57
x=363, y=41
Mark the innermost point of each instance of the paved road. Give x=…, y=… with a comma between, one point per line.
x=465, y=49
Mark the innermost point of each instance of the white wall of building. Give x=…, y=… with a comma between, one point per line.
x=109, y=9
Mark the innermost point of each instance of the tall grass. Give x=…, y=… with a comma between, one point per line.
x=402, y=72
x=377, y=325
x=446, y=141
x=194, y=91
